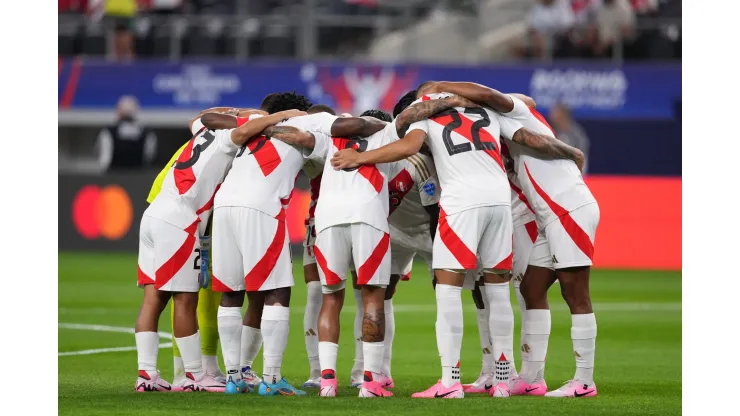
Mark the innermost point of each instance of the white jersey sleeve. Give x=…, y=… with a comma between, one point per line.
x=223, y=139
x=322, y=144
x=426, y=179
x=422, y=125
x=509, y=126
x=197, y=125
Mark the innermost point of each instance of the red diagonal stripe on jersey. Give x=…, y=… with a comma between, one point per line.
x=168, y=270
x=520, y=194
x=185, y=178
x=261, y=271
x=143, y=278
x=465, y=130
x=368, y=269
x=315, y=185
x=208, y=204
x=506, y=263
x=330, y=277
x=575, y=232
x=452, y=241
x=541, y=118
x=398, y=187
x=266, y=154
x=341, y=143
x=373, y=175
x=531, y=230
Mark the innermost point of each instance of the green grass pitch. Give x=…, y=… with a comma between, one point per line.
x=638, y=355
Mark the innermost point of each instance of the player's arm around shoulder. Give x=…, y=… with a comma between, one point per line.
x=548, y=145
x=481, y=94
x=425, y=109
x=254, y=127
x=392, y=152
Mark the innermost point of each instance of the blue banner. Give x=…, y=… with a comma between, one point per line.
x=591, y=90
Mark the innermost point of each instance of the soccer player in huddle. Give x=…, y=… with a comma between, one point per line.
x=475, y=222
x=567, y=216
x=169, y=234
x=348, y=235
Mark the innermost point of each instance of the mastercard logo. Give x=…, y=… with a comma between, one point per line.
x=102, y=212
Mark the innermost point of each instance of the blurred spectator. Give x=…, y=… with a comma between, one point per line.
x=615, y=24
x=549, y=23
x=162, y=7
x=72, y=6
x=569, y=131
x=119, y=17
x=127, y=143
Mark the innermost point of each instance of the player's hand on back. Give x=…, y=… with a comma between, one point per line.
x=580, y=160
x=345, y=159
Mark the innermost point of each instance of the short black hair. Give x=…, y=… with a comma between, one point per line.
x=379, y=114
x=404, y=102
x=276, y=102
x=321, y=108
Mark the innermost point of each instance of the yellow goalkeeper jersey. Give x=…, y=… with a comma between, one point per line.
x=157, y=185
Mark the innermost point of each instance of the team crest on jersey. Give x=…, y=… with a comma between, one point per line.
x=401, y=186
x=430, y=189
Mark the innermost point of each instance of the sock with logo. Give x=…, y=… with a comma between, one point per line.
x=536, y=326
x=501, y=324
x=583, y=333
x=230, y=332
x=485, y=337
x=275, y=327
x=359, y=364
x=310, y=326
x=390, y=332
x=449, y=331
x=373, y=353
x=191, y=355
x=328, y=357
x=147, y=349
x=251, y=343
x=523, y=311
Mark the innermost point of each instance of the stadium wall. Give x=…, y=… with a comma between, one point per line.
x=640, y=224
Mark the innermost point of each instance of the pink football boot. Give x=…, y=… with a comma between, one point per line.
x=439, y=391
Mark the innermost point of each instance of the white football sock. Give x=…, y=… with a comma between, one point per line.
x=373, y=353
x=275, y=326
x=536, y=325
x=147, y=348
x=390, y=332
x=522, y=310
x=484, y=334
x=230, y=334
x=501, y=324
x=449, y=331
x=583, y=333
x=328, y=356
x=310, y=326
x=359, y=364
x=210, y=364
x=251, y=343
x=191, y=355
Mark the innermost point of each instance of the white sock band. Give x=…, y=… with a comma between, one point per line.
x=251, y=343
x=275, y=328
x=390, y=332
x=147, y=348
x=230, y=334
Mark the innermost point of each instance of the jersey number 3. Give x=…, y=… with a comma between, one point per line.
x=474, y=134
x=197, y=150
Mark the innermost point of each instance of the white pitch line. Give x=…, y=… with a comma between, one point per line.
x=104, y=350
x=106, y=328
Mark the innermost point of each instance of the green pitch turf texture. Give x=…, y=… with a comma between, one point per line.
x=638, y=356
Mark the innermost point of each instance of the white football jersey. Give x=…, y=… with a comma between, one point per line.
x=189, y=187
x=358, y=195
x=412, y=185
x=465, y=144
x=264, y=171
x=551, y=186
x=313, y=168
x=521, y=211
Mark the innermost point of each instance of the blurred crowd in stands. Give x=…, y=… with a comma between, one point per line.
x=583, y=29
x=602, y=28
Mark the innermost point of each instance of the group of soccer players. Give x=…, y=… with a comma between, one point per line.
x=472, y=180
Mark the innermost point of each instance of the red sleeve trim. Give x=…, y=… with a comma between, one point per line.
x=241, y=120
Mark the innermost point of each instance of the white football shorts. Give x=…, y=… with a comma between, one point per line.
x=250, y=251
